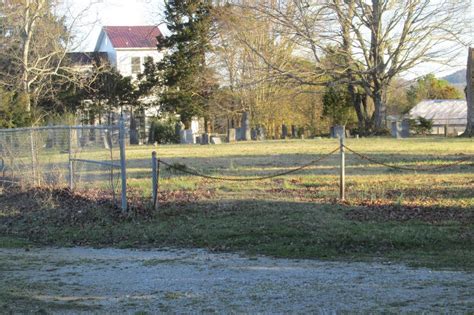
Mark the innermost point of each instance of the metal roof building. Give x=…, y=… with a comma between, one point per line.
x=449, y=114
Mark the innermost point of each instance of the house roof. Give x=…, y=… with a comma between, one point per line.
x=451, y=112
x=132, y=36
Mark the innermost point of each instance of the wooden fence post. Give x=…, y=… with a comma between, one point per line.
x=71, y=166
x=123, y=163
x=342, y=179
x=154, y=176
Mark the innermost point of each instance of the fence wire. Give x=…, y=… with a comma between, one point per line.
x=406, y=168
x=189, y=171
x=41, y=157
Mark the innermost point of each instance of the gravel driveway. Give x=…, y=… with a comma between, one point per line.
x=88, y=280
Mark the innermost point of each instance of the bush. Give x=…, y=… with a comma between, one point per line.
x=163, y=132
x=421, y=126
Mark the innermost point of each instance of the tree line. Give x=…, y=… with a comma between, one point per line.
x=308, y=63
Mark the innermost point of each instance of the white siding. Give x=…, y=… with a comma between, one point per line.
x=106, y=46
x=124, y=59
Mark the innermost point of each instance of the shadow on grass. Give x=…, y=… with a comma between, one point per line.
x=260, y=165
x=293, y=229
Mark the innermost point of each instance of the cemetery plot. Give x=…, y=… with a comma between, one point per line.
x=419, y=217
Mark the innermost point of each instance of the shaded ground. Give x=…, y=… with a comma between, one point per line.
x=418, y=233
x=182, y=281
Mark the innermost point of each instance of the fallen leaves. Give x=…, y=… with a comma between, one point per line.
x=384, y=210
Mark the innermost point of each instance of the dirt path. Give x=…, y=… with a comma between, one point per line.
x=182, y=281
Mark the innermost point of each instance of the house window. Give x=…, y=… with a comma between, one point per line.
x=136, y=65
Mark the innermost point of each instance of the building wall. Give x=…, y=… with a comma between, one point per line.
x=106, y=46
x=124, y=59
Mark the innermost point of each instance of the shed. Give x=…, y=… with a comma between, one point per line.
x=448, y=116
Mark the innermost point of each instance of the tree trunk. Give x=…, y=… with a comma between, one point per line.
x=380, y=108
x=133, y=129
x=377, y=64
x=470, y=94
x=357, y=103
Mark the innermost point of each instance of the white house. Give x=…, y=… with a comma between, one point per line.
x=128, y=47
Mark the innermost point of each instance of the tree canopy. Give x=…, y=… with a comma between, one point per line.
x=187, y=80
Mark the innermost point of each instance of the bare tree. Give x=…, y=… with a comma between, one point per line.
x=377, y=40
x=250, y=66
x=33, y=54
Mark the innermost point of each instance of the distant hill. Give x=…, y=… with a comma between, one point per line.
x=457, y=78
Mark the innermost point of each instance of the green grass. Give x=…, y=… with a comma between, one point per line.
x=14, y=242
x=424, y=219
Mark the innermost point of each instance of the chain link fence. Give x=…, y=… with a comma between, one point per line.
x=78, y=157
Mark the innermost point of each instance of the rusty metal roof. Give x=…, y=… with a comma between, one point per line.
x=133, y=36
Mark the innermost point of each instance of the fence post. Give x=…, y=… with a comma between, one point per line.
x=342, y=179
x=154, y=176
x=33, y=158
x=71, y=166
x=123, y=165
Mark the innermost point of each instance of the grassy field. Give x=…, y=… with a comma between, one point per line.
x=421, y=218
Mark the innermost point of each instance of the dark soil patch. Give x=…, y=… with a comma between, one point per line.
x=383, y=211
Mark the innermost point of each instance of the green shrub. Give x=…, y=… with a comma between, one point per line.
x=163, y=132
x=421, y=126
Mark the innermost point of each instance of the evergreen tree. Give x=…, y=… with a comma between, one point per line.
x=188, y=82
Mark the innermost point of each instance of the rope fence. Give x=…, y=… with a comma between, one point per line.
x=405, y=168
x=190, y=171
x=341, y=149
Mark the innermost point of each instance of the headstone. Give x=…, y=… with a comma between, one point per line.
x=216, y=140
x=260, y=133
x=284, y=131
x=396, y=129
x=301, y=132
x=294, y=131
x=205, y=138
x=195, y=125
x=238, y=134
x=405, y=132
x=231, y=135
x=245, y=128
x=190, y=139
x=338, y=131
x=51, y=137
x=107, y=140
x=182, y=136
x=253, y=133
x=177, y=128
